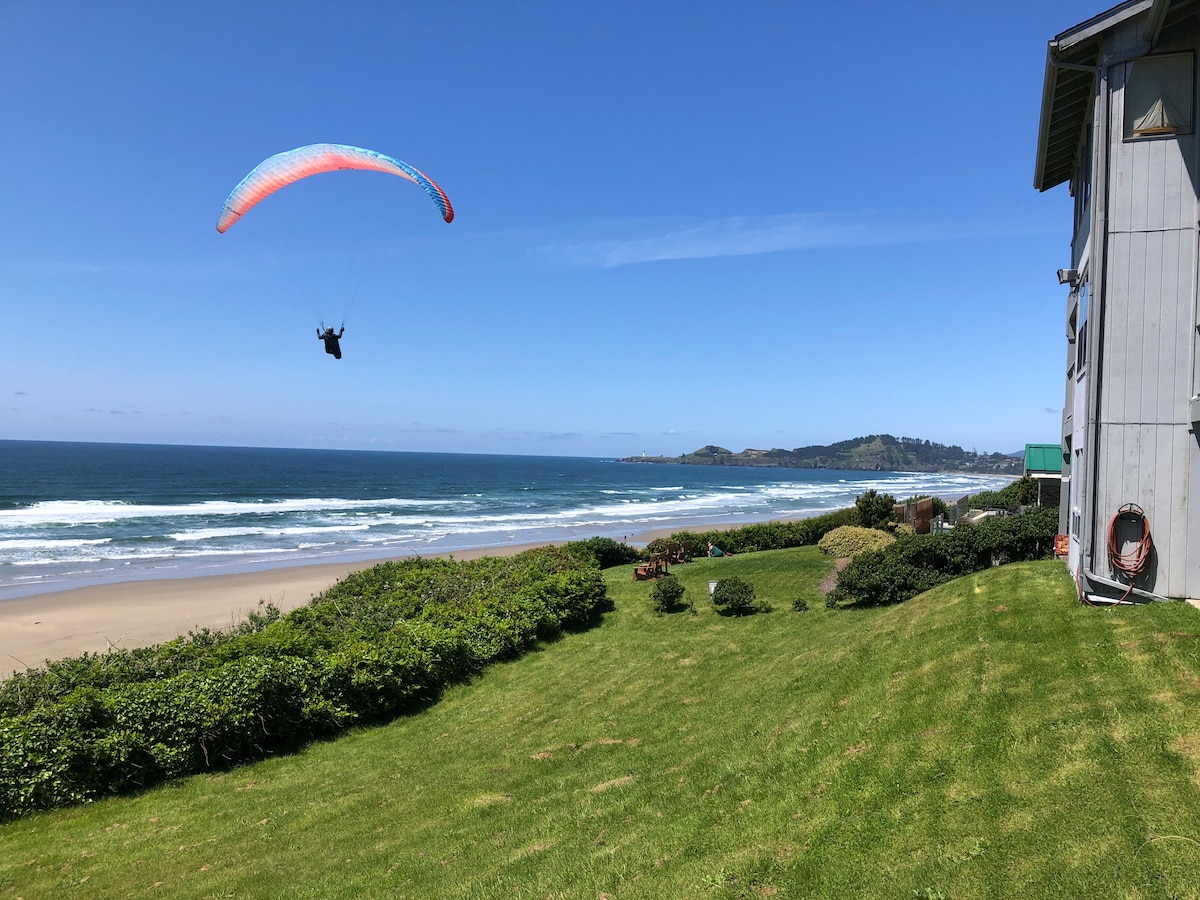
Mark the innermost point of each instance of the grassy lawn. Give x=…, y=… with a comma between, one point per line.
x=991, y=738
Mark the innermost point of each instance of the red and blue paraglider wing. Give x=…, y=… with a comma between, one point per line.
x=282, y=169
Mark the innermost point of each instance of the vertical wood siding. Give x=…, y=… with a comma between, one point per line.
x=1147, y=451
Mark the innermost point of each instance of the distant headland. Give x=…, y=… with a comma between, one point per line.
x=876, y=452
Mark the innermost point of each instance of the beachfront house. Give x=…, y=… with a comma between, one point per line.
x=1118, y=125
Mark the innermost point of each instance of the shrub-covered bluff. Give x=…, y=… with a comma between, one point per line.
x=876, y=452
x=382, y=641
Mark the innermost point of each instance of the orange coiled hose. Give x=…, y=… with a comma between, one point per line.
x=1134, y=563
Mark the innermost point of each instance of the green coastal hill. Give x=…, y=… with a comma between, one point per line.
x=990, y=738
x=875, y=452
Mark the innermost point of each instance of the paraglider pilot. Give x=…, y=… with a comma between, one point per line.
x=331, y=340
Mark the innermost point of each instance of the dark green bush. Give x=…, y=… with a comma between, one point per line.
x=1021, y=492
x=667, y=595
x=875, y=510
x=993, y=500
x=734, y=596
x=799, y=605
x=916, y=563
x=605, y=551
x=383, y=641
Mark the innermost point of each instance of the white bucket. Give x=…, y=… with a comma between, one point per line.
x=712, y=586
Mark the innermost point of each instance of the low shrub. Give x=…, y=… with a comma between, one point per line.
x=734, y=596
x=799, y=605
x=850, y=540
x=667, y=595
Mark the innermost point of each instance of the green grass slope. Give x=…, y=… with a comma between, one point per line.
x=991, y=738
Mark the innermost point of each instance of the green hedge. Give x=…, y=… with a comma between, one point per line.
x=1020, y=492
x=606, y=551
x=376, y=644
x=759, y=536
x=916, y=563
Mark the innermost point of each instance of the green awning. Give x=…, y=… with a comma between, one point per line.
x=1043, y=459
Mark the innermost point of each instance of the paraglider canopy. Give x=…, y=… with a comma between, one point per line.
x=282, y=169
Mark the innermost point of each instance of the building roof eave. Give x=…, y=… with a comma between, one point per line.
x=1097, y=25
x=1067, y=92
x=1067, y=95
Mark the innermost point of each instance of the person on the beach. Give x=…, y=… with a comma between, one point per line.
x=331, y=340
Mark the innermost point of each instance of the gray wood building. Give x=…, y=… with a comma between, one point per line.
x=1118, y=125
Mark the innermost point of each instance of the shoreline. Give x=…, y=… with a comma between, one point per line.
x=51, y=625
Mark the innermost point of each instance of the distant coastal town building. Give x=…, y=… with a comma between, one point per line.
x=1118, y=125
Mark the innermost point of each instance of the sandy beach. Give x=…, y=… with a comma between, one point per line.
x=130, y=614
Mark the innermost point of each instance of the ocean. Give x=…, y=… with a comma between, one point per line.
x=75, y=514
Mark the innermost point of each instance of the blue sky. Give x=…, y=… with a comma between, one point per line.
x=675, y=225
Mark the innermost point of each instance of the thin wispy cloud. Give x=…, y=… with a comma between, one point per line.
x=219, y=269
x=751, y=235
x=128, y=411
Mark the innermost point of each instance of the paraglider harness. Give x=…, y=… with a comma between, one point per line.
x=331, y=340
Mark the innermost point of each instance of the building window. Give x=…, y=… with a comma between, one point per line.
x=1158, y=96
x=1081, y=187
x=1081, y=330
x=1072, y=333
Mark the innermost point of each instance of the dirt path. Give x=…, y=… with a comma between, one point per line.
x=829, y=582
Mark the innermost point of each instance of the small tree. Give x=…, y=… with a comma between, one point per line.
x=734, y=596
x=667, y=595
x=875, y=510
x=1026, y=489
